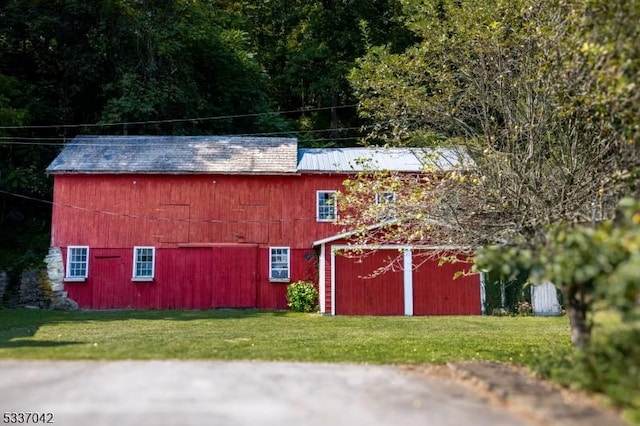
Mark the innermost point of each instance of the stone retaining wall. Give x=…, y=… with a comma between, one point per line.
x=34, y=289
x=42, y=288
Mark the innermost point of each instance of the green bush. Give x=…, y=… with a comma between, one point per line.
x=302, y=296
x=610, y=365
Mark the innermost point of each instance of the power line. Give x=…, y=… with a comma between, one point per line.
x=150, y=218
x=174, y=120
x=56, y=141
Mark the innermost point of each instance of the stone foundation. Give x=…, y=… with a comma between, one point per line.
x=55, y=276
x=55, y=272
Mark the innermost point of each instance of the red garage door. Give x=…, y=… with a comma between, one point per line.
x=435, y=292
x=357, y=293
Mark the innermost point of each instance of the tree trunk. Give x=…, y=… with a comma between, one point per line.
x=577, y=309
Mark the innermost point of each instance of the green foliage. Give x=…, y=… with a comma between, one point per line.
x=307, y=49
x=612, y=366
x=541, y=99
x=302, y=296
x=609, y=366
x=595, y=267
x=599, y=258
x=191, y=60
x=502, y=296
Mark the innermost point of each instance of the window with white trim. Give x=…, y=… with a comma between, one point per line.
x=279, y=264
x=144, y=259
x=326, y=208
x=77, y=263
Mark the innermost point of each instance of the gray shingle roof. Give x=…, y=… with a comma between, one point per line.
x=177, y=154
x=394, y=159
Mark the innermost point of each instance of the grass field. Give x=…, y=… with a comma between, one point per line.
x=259, y=335
x=538, y=342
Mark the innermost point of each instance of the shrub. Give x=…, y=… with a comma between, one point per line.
x=302, y=296
x=524, y=309
x=609, y=365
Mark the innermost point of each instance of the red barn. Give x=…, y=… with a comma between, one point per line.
x=150, y=222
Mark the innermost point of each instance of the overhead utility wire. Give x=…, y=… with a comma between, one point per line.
x=174, y=120
x=31, y=140
x=149, y=218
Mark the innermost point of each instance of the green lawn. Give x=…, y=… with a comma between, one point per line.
x=259, y=335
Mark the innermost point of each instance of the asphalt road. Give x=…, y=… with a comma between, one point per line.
x=79, y=393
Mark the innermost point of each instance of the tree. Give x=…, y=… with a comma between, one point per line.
x=541, y=95
x=68, y=62
x=181, y=60
x=590, y=263
x=116, y=61
x=22, y=222
x=308, y=48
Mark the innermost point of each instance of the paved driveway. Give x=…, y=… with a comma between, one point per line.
x=238, y=393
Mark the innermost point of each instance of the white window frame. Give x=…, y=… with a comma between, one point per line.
x=69, y=276
x=318, y=206
x=135, y=276
x=271, y=264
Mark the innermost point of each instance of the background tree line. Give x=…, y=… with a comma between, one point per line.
x=146, y=67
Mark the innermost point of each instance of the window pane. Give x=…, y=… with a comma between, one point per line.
x=77, y=265
x=144, y=262
x=326, y=206
x=279, y=263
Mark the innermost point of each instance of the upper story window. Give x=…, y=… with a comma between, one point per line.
x=385, y=198
x=279, y=264
x=144, y=259
x=326, y=206
x=385, y=210
x=77, y=263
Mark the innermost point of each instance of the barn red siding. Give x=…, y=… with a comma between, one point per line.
x=435, y=292
x=168, y=210
x=185, y=217
x=212, y=235
x=360, y=293
x=188, y=278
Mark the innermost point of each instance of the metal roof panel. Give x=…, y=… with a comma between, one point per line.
x=347, y=160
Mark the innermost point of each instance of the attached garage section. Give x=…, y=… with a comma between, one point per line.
x=349, y=284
